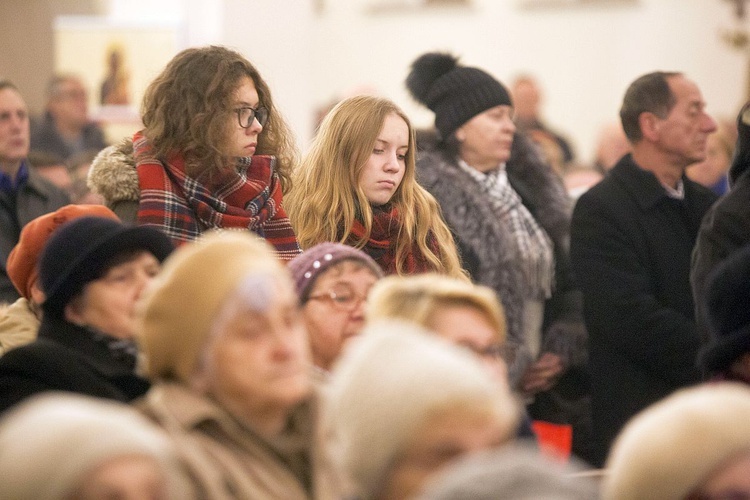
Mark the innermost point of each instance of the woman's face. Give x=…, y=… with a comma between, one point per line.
x=441, y=440
x=334, y=313
x=382, y=174
x=257, y=359
x=245, y=140
x=486, y=139
x=108, y=303
x=468, y=327
x=131, y=477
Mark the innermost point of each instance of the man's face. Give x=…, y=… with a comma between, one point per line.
x=69, y=105
x=14, y=128
x=683, y=134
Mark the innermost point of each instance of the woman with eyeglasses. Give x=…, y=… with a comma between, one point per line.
x=357, y=186
x=214, y=153
x=333, y=281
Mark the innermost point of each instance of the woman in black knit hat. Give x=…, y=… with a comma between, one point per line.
x=510, y=215
x=92, y=272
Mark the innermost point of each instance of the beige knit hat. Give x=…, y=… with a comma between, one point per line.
x=670, y=448
x=388, y=383
x=178, y=310
x=51, y=442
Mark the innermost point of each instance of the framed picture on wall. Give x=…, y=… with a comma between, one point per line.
x=116, y=61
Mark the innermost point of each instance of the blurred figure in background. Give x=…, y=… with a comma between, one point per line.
x=713, y=171
x=527, y=114
x=53, y=168
x=611, y=145
x=65, y=128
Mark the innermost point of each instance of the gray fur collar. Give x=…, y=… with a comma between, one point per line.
x=113, y=174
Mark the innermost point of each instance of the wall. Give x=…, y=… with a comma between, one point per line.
x=312, y=51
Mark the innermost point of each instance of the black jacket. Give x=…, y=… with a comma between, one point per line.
x=69, y=358
x=630, y=250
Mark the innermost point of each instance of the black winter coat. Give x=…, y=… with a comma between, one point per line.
x=68, y=358
x=630, y=251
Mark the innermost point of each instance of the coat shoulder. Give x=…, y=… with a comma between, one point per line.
x=113, y=174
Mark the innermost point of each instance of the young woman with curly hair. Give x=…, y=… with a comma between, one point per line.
x=214, y=153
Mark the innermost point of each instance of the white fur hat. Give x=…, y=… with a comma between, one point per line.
x=389, y=381
x=671, y=447
x=52, y=441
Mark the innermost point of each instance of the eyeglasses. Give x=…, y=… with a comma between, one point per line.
x=246, y=115
x=342, y=296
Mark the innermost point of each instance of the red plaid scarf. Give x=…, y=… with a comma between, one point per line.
x=381, y=245
x=248, y=197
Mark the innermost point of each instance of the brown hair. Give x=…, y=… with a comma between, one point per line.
x=187, y=108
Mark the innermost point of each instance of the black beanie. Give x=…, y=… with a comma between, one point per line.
x=79, y=250
x=455, y=93
x=728, y=312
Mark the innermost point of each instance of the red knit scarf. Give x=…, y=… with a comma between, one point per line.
x=381, y=245
x=248, y=197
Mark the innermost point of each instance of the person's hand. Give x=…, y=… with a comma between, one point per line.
x=542, y=374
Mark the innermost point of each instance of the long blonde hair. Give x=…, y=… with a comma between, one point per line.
x=326, y=197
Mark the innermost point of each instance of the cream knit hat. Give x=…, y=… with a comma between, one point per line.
x=390, y=380
x=51, y=442
x=179, y=308
x=670, y=448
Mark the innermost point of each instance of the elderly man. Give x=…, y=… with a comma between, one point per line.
x=65, y=128
x=24, y=195
x=631, y=240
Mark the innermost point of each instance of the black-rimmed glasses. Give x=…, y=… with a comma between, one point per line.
x=246, y=115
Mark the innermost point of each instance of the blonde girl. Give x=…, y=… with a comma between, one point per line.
x=357, y=186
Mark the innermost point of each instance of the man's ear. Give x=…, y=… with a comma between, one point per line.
x=650, y=126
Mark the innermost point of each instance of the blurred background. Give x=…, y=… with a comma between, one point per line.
x=582, y=53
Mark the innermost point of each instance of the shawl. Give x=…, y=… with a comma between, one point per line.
x=248, y=197
x=534, y=246
x=381, y=243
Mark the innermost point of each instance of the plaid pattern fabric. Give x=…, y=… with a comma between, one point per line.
x=246, y=198
x=381, y=243
x=534, y=245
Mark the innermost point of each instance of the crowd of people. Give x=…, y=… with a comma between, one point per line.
x=396, y=313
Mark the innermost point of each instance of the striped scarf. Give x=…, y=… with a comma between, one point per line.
x=534, y=245
x=381, y=243
x=248, y=197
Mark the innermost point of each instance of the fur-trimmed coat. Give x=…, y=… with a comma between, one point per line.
x=114, y=177
x=489, y=253
x=487, y=248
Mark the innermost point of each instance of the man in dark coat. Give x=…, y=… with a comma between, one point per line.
x=24, y=195
x=631, y=240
